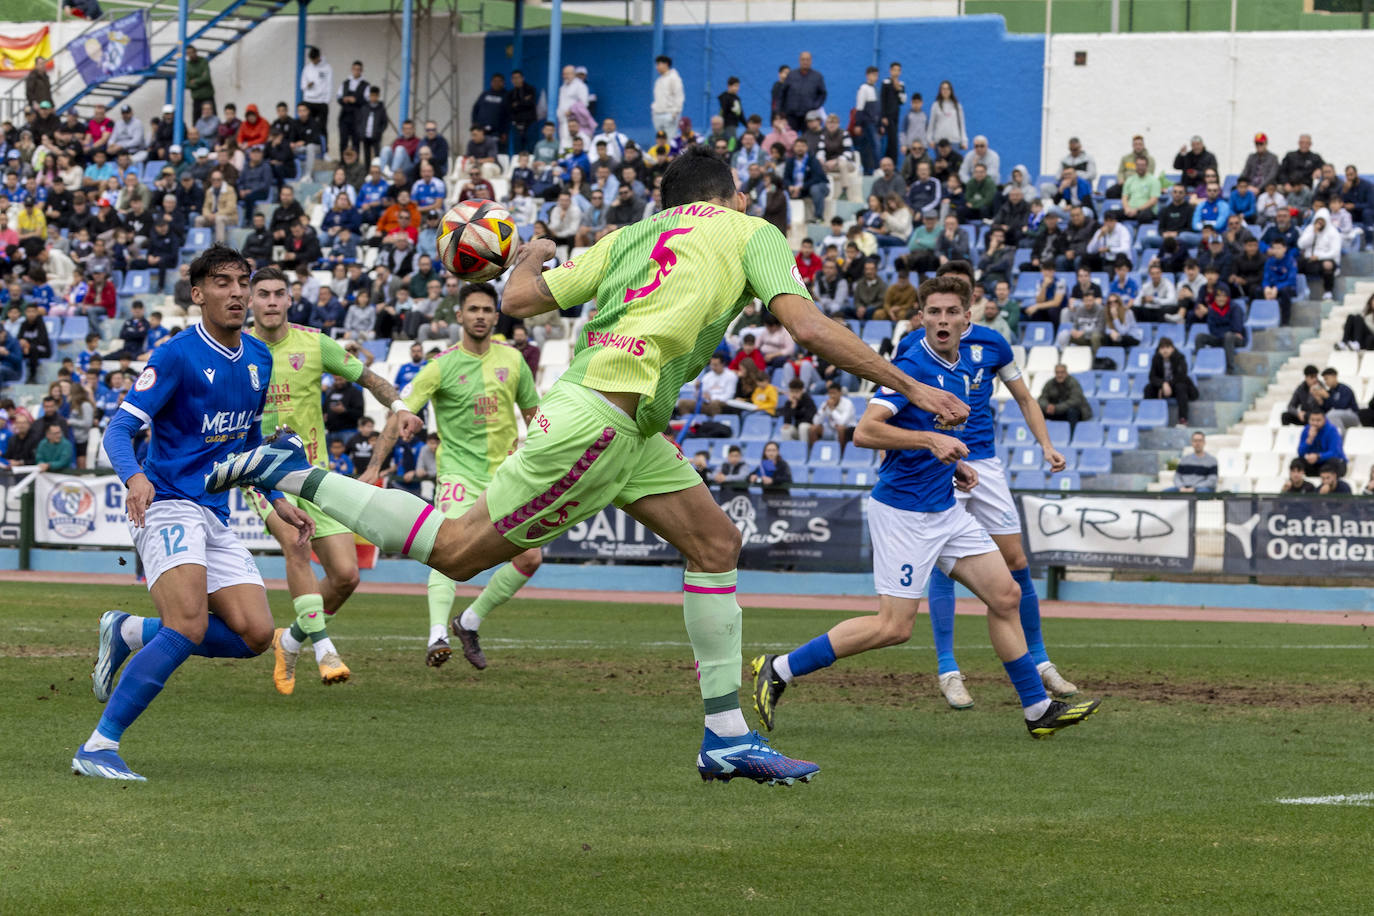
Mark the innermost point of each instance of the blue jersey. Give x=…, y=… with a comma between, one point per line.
x=984, y=353
x=203, y=401
x=915, y=480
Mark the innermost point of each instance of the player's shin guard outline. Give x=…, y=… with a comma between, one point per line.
x=714, y=624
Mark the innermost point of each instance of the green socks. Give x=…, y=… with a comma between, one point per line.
x=440, y=599
x=714, y=622
x=394, y=520
x=504, y=583
x=310, y=619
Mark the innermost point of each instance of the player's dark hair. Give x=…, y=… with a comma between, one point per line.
x=663, y=59
x=949, y=283
x=958, y=267
x=694, y=176
x=212, y=259
x=472, y=289
x=266, y=273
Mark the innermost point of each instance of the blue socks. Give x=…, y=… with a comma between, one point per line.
x=1030, y=615
x=940, y=598
x=142, y=680
x=1026, y=679
x=222, y=642
x=150, y=627
x=816, y=654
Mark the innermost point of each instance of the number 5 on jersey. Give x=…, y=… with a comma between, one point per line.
x=665, y=258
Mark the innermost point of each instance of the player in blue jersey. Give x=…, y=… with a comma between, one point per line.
x=987, y=353
x=915, y=524
x=203, y=394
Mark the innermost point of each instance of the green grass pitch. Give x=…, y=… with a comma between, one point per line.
x=562, y=779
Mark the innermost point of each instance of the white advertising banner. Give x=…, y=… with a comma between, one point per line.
x=89, y=511
x=1109, y=532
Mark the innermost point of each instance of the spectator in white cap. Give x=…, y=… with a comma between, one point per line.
x=128, y=135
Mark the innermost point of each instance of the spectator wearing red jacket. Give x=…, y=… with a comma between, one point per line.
x=808, y=262
x=750, y=351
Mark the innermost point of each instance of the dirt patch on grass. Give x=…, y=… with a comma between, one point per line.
x=1271, y=695
x=10, y=651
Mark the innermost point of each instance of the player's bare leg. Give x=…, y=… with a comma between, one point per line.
x=1029, y=608
x=987, y=576
x=313, y=600
x=692, y=522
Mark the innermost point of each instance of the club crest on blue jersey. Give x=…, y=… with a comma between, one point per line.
x=975, y=352
x=253, y=376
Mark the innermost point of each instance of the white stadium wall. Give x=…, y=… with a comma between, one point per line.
x=1168, y=87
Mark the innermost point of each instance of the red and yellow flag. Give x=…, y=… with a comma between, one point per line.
x=17, y=53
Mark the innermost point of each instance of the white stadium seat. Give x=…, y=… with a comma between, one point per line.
x=1256, y=440
x=1230, y=462
x=1042, y=359
x=1264, y=464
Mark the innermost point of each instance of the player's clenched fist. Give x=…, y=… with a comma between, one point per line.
x=948, y=409
x=947, y=448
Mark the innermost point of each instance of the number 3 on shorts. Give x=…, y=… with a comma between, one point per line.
x=172, y=536
x=906, y=573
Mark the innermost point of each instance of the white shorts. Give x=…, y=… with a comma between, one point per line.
x=991, y=502
x=907, y=546
x=177, y=531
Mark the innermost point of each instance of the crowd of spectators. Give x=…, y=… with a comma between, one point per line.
x=874, y=194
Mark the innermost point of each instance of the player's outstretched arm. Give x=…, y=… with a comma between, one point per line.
x=875, y=432
x=381, y=450
x=1035, y=421
x=386, y=393
x=526, y=292
x=842, y=347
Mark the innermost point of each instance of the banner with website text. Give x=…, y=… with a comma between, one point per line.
x=1109, y=532
x=1316, y=536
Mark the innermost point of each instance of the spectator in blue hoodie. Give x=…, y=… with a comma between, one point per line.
x=1213, y=210
x=1225, y=326
x=1320, y=444
x=1280, y=281
x=1242, y=201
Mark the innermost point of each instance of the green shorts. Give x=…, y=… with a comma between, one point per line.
x=454, y=495
x=582, y=454
x=325, y=525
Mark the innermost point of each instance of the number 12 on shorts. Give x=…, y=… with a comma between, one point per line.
x=172, y=536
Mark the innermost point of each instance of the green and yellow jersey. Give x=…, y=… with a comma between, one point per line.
x=666, y=289
x=475, y=398
x=294, y=398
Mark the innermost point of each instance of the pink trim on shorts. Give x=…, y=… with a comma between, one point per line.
x=564, y=484
x=706, y=590
x=415, y=529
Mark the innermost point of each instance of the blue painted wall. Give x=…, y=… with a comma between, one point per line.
x=998, y=76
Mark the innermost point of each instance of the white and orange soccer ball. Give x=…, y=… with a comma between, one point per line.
x=477, y=240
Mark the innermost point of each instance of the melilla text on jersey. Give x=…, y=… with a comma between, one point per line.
x=227, y=424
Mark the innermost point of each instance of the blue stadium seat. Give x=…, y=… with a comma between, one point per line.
x=1016, y=432
x=1028, y=480
x=1104, y=182
x=1149, y=333
x=1068, y=481
x=824, y=453
x=1113, y=385
x=1153, y=413
x=137, y=283
x=1116, y=354
x=198, y=239
x=1060, y=432
x=826, y=474
x=1070, y=458
x=526, y=232
x=1027, y=459
x=1139, y=359
x=753, y=451
x=862, y=477
x=1194, y=333
x=150, y=170
x=1088, y=433
x=378, y=348
x=691, y=445
x=856, y=457
x=779, y=379
x=1122, y=438
x=793, y=451
x=74, y=329
x=1209, y=361
x=1037, y=333
x=1094, y=461
x=1115, y=412
x=729, y=419
x=854, y=325
x=758, y=426
x=1264, y=313
x=877, y=331
x=1027, y=284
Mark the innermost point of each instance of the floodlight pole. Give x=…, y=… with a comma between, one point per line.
x=180, y=101
x=555, y=59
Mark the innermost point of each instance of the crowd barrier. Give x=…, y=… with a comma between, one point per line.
x=824, y=529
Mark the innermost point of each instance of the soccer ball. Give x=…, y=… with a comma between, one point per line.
x=477, y=240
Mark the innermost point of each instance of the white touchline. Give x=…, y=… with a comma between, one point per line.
x=1362, y=799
